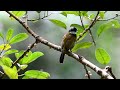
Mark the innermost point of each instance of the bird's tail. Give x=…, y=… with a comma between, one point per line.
x=62, y=57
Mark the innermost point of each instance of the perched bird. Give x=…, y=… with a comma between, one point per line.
x=68, y=42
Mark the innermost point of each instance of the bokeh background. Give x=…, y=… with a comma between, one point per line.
x=70, y=69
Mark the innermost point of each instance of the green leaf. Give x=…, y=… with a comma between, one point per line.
x=34, y=56
x=106, y=26
x=6, y=61
x=35, y=74
x=115, y=23
x=58, y=23
x=30, y=58
x=9, y=34
x=10, y=51
x=86, y=26
x=5, y=47
x=18, y=38
x=101, y=14
x=26, y=77
x=17, y=55
x=82, y=45
x=64, y=13
x=83, y=37
x=1, y=63
x=1, y=35
x=76, y=13
x=91, y=16
x=22, y=67
x=10, y=72
x=84, y=13
x=19, y=13
x=102, y=56
x=102, y=28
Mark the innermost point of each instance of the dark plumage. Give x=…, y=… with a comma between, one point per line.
x=68, y=42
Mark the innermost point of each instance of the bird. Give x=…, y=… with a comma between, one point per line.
x=68, y=42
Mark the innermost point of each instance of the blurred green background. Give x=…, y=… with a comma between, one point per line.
x=70, y=69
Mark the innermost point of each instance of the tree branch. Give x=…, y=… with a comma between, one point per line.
x=24, y=54
x=109, y=69
x=87, y=72
x=82, y=60
x=117, y=15
x=90, y=33
x=27, y=50
x=39, y=17
x=93, y=22
x=81, y=19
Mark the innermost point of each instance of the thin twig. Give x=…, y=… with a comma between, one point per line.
x=81, y=19
x=34, y=19
x=109, y=18
x=109, y=69
x=47, y=13
x=88, y=75
x=3, y=47
x=44, y=13
x=87, y=72
x=58, y=48
x=1, y=73
x=95, y=19
x=46, y=16
x=90, y=33
x=24, y=54
x=39, y=17
x=93, y=22
x=21, y=75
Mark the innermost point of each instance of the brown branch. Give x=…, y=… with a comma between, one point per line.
x=95, y=19
x=109, y=69
x=22, y=56
x=90, y=32
x=109, y=18
x=3, y=47
x=46, y=16
x=87, y=72
x=81, y=20
x=86, y=30
x=39, y=17
x=82, y=60
x=35, y=19
x=89, y=29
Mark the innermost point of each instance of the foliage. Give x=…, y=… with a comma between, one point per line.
x=11, y=70
x=35, y=74
x=6, y=63
x=58, y=22
x=102, y=56
x=82, y=45
x=107, y=26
